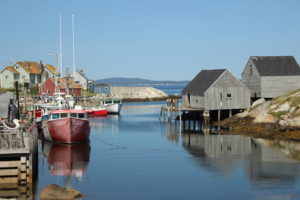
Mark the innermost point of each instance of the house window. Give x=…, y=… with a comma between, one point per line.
x=106, y=88
x=39, y=78
x=6, y=77
x=48, y=91
x=221, y=96
x=16, y=76
x=23, y=77
x=228, y=95
x=251, y=70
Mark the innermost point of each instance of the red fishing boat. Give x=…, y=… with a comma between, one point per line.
x=96, y=112
x=67, y=126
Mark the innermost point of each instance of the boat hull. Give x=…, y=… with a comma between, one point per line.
x=97, y=112
x=114, y=108
x=67, y=130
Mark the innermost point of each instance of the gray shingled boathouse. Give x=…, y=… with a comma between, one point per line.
x=271, y=76
x=216, y=90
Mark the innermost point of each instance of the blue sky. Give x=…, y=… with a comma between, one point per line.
x=153, y=39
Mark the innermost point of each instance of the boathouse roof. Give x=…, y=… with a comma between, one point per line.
x=276, y=65
x=203, y=80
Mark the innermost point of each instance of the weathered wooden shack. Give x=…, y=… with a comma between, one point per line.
x=216, y=90
x=102, y=88
x=271, y=76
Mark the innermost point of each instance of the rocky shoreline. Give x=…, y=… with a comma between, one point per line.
x=136, y=94
x=278, y=118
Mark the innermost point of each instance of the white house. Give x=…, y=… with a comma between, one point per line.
x=81, y=79
x=29, y=74
x=8, y=76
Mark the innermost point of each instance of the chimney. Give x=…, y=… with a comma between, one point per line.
x=42, y=66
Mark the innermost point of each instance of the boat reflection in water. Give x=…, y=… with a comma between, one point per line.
x=67, y=160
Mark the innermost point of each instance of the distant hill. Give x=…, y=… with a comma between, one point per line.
x=135, y=81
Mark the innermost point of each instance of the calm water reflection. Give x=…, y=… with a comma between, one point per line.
x=135, y=156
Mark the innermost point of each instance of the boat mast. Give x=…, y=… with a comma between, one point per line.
x=73, y=45
x=60, y=47
x=73, y=53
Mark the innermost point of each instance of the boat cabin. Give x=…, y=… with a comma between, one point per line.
x=60, y=114
x=112, y=101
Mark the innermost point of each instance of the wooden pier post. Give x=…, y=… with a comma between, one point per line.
x=169, y=114
x=219, y=119
x=179, y=115
x=189, y=121
x=17, y=99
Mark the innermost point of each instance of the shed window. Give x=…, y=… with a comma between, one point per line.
x=228, y=95
x=49, y=91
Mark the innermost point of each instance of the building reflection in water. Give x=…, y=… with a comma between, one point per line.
x=171, y=131
x=265, y=161
x=67, y=160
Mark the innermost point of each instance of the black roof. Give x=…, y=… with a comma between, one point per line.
x=203, y=81
x=276, y=65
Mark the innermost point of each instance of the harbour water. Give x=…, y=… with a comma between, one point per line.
x=136, y=156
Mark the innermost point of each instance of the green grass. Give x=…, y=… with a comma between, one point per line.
x=295, y=101
x=88, y=93
x=279, y=113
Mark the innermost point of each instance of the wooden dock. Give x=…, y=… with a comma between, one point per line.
x=18, y=163
x=166, y=112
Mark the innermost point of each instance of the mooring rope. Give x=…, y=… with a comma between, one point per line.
x=124, y=147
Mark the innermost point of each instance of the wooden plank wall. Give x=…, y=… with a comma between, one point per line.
x=274, y=86
x=252, y=80
x=216, y=97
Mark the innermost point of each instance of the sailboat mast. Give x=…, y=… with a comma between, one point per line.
x=73, y=45
x=73, y=53
x=60, y=47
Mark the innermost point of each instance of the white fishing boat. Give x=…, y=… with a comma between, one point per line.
x=113, y=106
